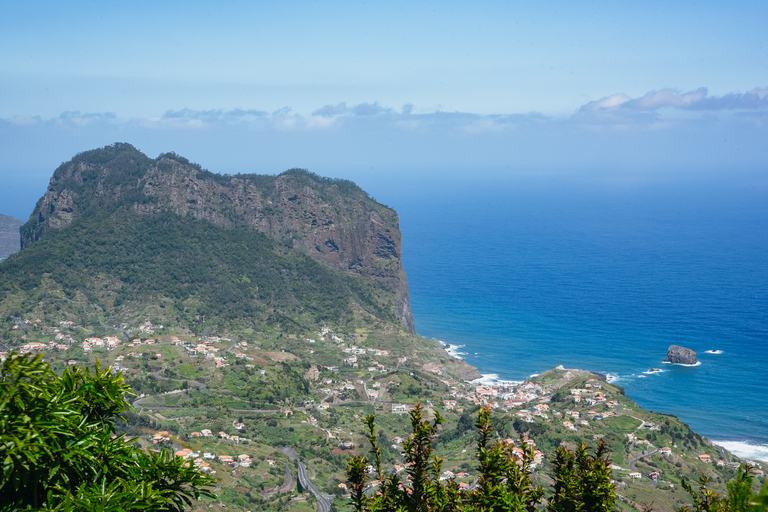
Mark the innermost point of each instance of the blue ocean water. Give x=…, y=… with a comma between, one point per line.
x=527, y=276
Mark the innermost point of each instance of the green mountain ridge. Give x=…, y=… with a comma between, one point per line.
x=118, y=235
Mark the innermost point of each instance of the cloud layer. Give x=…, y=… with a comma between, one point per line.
x=661, y=109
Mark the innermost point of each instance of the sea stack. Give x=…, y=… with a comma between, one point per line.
x=680, y=355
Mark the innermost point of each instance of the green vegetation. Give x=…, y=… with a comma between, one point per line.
x=189, y=270
x=59, y=453
x=581, y=481
x=739, y=498
x=622, y=424
x=131, y=249
x=281, y=373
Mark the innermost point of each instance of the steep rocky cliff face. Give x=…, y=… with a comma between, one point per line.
x=9, y=235
x=332, y=221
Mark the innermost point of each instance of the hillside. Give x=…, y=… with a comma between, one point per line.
x=119, y=235
x=281, y=396
x=9, y=235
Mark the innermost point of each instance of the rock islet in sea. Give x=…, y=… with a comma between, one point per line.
x=680, y=355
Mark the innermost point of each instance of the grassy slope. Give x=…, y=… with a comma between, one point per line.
x=236, y=392
x=126, y=266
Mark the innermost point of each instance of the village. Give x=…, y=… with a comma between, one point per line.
x=347, y=378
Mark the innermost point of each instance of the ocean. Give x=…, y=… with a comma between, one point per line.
x=523, y=276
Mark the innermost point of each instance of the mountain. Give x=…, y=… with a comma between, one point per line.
x=119, y=235
x=9, y=235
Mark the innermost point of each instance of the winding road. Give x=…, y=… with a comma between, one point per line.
x=323, y=500
x=632, y=462
x=288, y=479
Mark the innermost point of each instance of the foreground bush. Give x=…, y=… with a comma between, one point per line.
x=59, y=451
x=581, y=479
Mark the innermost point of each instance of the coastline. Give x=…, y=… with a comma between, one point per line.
x=739, y=447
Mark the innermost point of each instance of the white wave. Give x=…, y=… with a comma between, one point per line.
x=453, y=350
x=486, y=378
x=641, y=376
x=611, y=378
x=492, y=379
x=533, y=375
x=713, y=351
x=653, y=370
x=746, y=450
x=697, y=363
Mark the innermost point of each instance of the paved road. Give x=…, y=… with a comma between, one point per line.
x=156, y=375
x=722, y=453
x=288, y=479
x=277, y=411
x=632, y=462
x=323, y=500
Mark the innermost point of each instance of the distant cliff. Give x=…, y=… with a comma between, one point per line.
x=334, y=222
x=9, y=235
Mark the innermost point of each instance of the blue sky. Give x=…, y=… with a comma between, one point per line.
x=384, y=92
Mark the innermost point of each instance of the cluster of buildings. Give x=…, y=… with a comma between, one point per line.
x=354, y=351
x=223, y=435
x=340, y=389
x=236, y=461
x=234, y=438
x=110, y=343
x=503, y=396
x=148, y=328
x=33, y=347
x=28, y=323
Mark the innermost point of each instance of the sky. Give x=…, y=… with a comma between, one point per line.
x=389, y=94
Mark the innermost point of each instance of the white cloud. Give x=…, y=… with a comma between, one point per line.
x=671, y=98
x=667, y=98
x=609, y=103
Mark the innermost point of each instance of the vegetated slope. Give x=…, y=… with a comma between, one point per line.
x=9, y=235
x=119, y=236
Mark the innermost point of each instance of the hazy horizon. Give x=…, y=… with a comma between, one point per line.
x=379, y=93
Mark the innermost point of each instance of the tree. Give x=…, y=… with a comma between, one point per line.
x=582, y=481
x=504, y=483
x=740, y=497
x=59, y=450
x=581, y=478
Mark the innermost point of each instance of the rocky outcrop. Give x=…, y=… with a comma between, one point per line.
x=680, y=355
x=333, y=221
x=9, y=235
